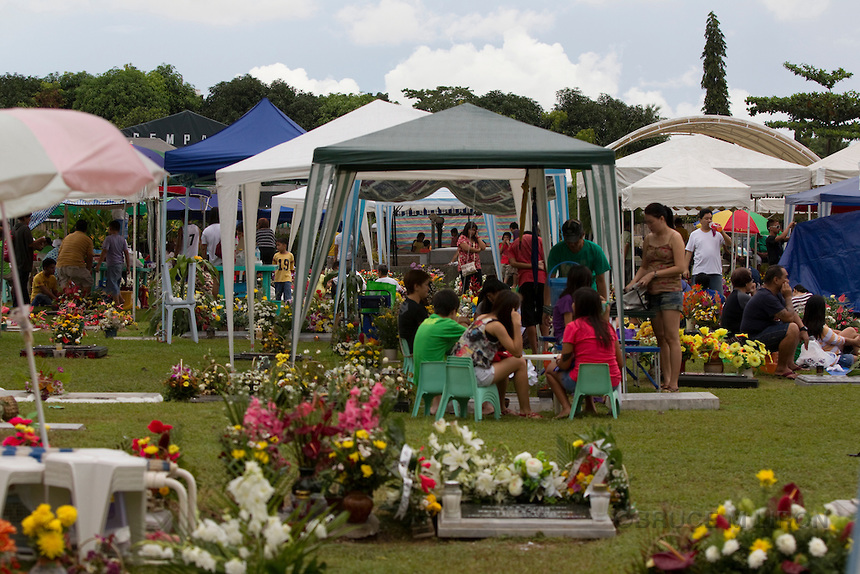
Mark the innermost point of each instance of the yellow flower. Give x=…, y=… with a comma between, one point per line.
x=362, y=434
x=237, y=454
x=766, y=477
x=762, y=544
x=754, y=360
x=380, y=444
x=164, y=491
x=788, y=525
x=702, y=530
x=54, y=526
x=577, y=443
x=354, y=457
x=737, y=361
x=731, y=532
x=151, y=449
x=262, y=456
x=348, y=443
x=143, y=441
x=67, y=515
x=366, y=470
x=172, y=449
x=51, y=544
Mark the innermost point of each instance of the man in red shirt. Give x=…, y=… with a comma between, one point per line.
x=535, y=296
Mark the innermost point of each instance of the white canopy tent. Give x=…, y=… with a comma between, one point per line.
x=766, y=176
x=838, y=166
x=685, y=185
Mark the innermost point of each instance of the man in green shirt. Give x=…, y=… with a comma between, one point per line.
x=438, y=333
x=574, y=247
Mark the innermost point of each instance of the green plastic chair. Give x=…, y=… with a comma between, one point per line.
x=431, y=383
x=377, y=287
x=593, y=380
x=408, y=366
x=461, y=385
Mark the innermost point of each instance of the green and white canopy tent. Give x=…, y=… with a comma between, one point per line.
x=467, y=148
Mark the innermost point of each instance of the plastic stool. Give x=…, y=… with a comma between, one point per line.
x=93, y=476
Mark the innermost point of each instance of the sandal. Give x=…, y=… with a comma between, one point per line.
x=531, y=415
x=791, y=375
x=508, y=412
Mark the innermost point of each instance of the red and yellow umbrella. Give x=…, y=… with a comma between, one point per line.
x=741, y=221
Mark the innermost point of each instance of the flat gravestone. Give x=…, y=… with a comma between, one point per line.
x=490, y=520
x=51, y=426
x=72, y=351
x=520, y=511
x=683, y=401
x=717, y=381
x=813, y=380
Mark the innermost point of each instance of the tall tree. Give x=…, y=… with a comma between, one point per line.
x=181, y=95
x=125, y=96
x=228, y=101
x=513, y=106
x=714, y=68
x=17, y=91
x=608, y=117
x=820, y=120
x=332, y=106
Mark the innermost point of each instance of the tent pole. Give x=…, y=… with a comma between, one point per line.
x=632, y=248
x=134, y=263
x=185, y=226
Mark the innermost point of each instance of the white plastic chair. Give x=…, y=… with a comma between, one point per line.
x=172, y=303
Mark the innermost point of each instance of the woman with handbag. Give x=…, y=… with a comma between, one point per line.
x=469, y=247
x=662, y=265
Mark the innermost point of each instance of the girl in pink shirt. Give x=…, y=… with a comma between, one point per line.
x=589, y=338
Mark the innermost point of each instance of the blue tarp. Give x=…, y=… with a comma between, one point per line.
x=813, y=196
x=846, y=194
x=824, y=255
x=262, y=127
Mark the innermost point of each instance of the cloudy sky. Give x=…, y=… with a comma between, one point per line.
x=641, y=51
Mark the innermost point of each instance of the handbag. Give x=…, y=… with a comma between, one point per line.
x=813, y=355
x=635, y=299
x=469, y=268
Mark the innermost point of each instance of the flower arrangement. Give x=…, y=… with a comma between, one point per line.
x=365, y=352
x=838, y=313
x=68, y=326
x=251, y=537
x=25, y=434
x=645, y=335
x=50, y=384
x=743, y=353
x=703, y=307
x=159, y=448
x=305, y=431
x=362, y=460
x=214, y=379
x=114, y=319
x=711, y=343
x=386, y=329
x=414, y=499
x=49, y=532
x=181, y=384
x=343, y=337
x=775, y=535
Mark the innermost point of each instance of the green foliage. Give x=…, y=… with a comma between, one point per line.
x=17, y=91
x=820, y=120
x=513, y=106
x=714, y=67
x=441, y=98
x=125, y=96
x=333, y=106
x=181, y=95
x=610, y=118
x=228, y=101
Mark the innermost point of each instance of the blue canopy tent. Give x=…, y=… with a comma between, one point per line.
x=824, y=255
x=845, y=190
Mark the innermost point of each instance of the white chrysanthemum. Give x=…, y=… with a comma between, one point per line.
x=817, y=547
x=156, y=551
x=786, y=544
x=515, y=486
x=235, y=566
x=522, y=456
x=756, y=559
x=189, y=554
x=746, y=522
x=712, y=554
x=534, y=467
x=730, y=547
x=730, y=508
x=244, y=553
x=233, y=530
x=440, y=425
x=503, y=475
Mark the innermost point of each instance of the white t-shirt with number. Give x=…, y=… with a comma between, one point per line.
x=705, y=246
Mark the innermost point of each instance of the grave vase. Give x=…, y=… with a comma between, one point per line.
x=359, y=505
x=110, y=333
x=748, y=372
x=714, y=365
x=46, y=566
x=599, y=501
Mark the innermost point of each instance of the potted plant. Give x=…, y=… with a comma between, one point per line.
x=386, y=333
x=111, y=322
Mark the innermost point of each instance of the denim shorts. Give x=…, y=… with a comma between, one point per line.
x=667, y=301
x=772, y=336
x=567, y=382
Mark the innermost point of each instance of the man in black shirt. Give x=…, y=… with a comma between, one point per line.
x=24, y=245
x=743, y=290
x=775, y=240
x=413, y=311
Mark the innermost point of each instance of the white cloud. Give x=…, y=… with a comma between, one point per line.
x=212, y=12
x=689, y=79
x=390, y=22
x=492, y=26
x=797, y=10
x=522, y=65
x=639, y=97
x=299, y=79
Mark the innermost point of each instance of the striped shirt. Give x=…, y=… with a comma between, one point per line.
x=266, y=239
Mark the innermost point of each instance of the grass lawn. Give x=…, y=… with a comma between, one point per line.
x=680, y=462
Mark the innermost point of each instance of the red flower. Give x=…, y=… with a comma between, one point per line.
x=790, y=567
x=721, y=522
x=674, y=560
x=158, y=427
x=427, y=484
x=783, y=507
x=846, y=532
x=793, y=492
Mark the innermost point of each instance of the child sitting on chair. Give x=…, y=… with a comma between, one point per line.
x=589, y=338
x=562, y=311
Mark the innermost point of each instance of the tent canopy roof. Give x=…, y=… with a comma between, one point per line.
x=841, y=165
x=813, y=196
x=262, y=127
x=463, y=136
x=181, y=129
x=845, y=192
x=293, y=159
x=686, y=183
